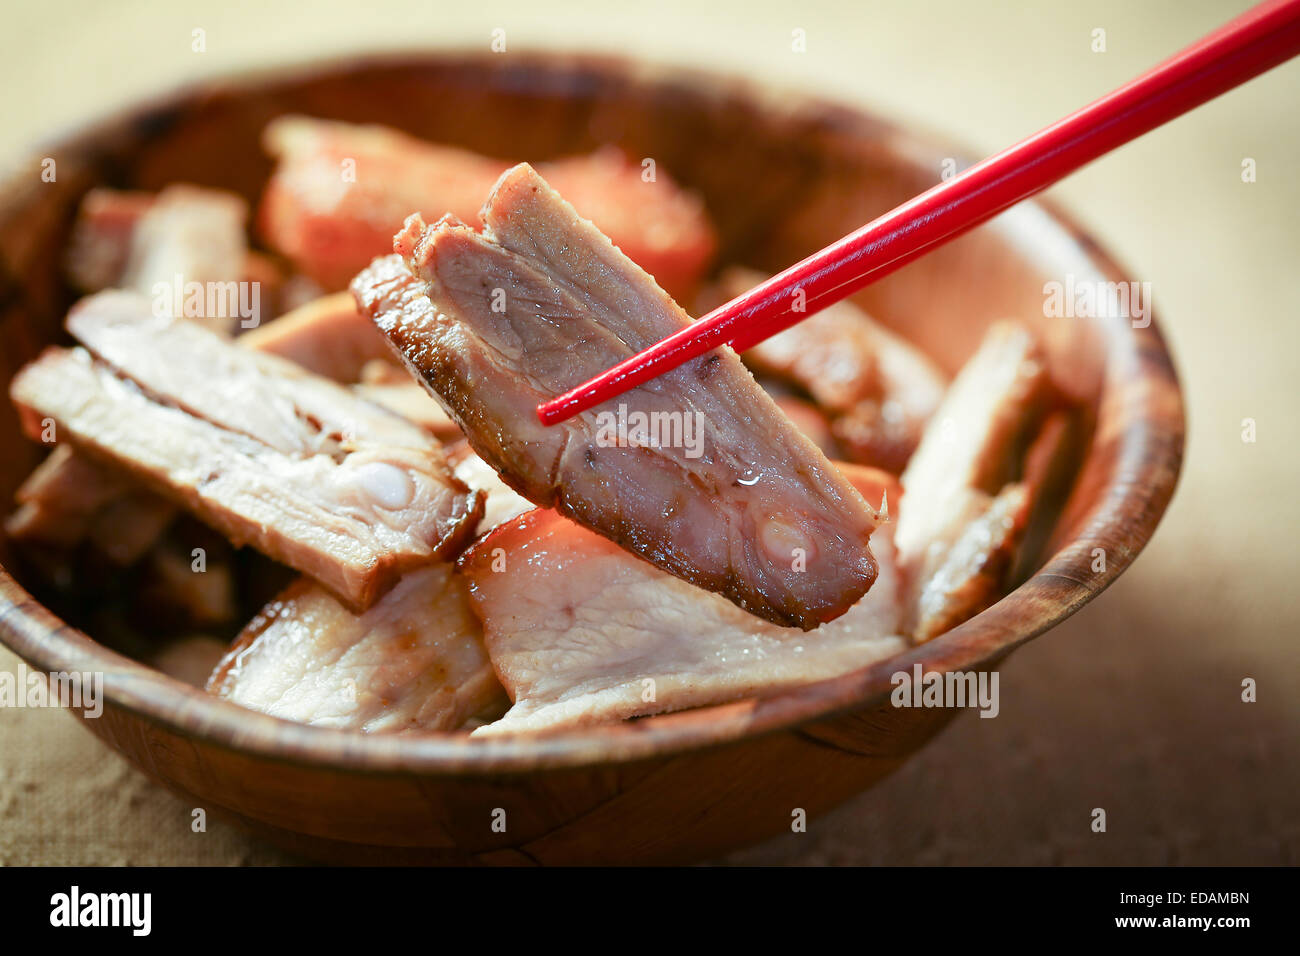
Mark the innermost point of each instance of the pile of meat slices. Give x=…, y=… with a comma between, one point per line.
x=438, y=560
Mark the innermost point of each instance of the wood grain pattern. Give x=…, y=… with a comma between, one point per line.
x=782, y=177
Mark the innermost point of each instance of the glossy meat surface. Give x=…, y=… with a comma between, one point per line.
x=715, y=486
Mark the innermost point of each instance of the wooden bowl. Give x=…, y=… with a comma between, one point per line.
x=782, y=176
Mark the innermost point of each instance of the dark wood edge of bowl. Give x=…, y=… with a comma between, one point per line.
x=1142, y=476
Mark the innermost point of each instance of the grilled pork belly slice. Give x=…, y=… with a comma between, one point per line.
x=580, y=632
x=809, y=419
x=977, y=438
x=134, y=241
x=966, y=509
x=656, y=224
x=963, y=574
x=1051, y=463
x=879, y=389
x=131, y=240
x=728, y=496
x=71, y=498
x=127, y=528
x=413, y=662
x=332, y=227
x=260, y=449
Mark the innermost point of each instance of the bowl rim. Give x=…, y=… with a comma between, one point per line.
x=1141, y=481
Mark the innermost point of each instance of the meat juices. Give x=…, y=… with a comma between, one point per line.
x=580, y=632
x=331, y=226
x=260, y=449
x=497, y=322
x=413, y=662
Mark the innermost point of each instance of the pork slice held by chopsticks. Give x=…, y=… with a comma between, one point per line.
x=413, y=662
x=580, y=632
x=718, y=488
x=258, y=448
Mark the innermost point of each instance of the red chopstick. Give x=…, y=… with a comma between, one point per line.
x=1258, y=40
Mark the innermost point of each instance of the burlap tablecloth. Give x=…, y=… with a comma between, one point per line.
x=1133, y=705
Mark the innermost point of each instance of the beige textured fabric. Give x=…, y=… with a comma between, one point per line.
x=1134, y=705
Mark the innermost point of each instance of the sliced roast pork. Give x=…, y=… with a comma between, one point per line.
x=966, y=508
x=260, y=449
x=698, y=471
x=71, y=498
x=184, y=235
x=413, y=662
x=135, y=241
x=330, y=337
x=879, y=389
x=340, y=191
x=580, y=632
